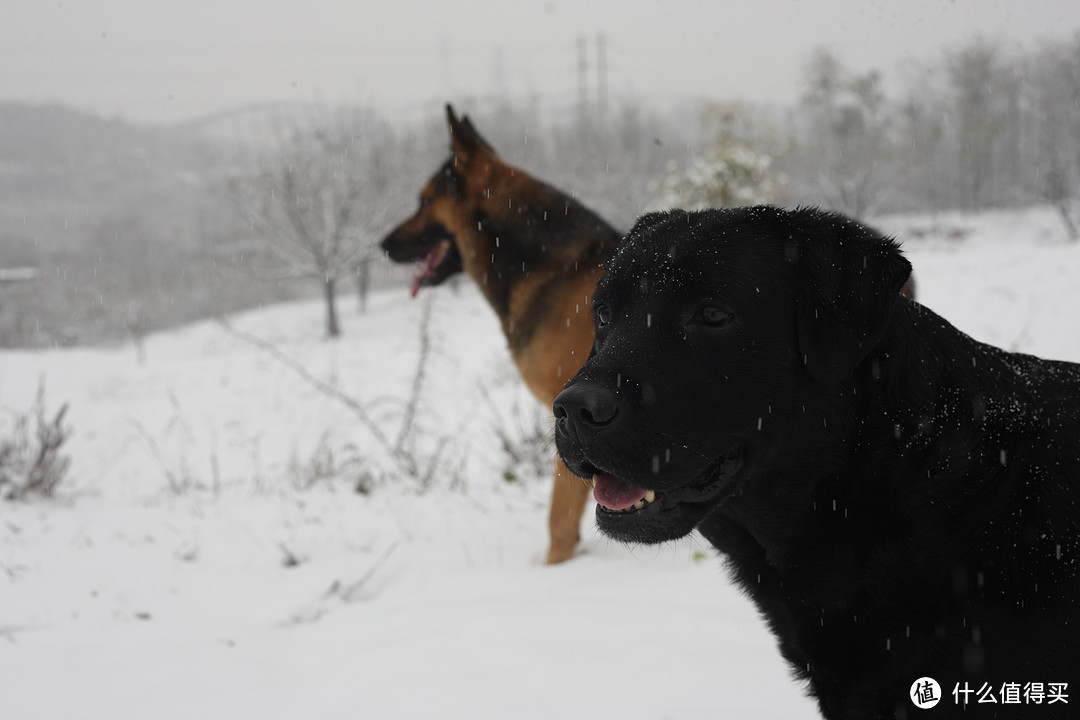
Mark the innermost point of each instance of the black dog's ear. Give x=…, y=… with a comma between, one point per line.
x=848, y=283
x=652, y=219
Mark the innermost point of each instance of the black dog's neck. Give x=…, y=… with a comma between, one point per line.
x=922, y=477
x=899, y=403
x=940, y=388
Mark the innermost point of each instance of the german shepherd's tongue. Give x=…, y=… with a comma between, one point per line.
x=428, y=263
x=614, y=494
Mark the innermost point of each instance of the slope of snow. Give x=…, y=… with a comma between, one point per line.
x=208, y=555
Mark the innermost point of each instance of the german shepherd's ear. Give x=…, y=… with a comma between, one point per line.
x=465, y=142
x=848, y=283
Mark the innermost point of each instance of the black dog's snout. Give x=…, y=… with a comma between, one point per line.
x=583, y=408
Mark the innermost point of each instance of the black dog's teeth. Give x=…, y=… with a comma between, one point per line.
x=650, y=496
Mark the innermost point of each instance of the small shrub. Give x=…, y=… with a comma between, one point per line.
x=31, y=461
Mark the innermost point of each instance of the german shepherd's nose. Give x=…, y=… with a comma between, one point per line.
x=584, y=408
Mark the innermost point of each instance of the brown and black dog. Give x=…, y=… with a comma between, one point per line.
x=536, y=254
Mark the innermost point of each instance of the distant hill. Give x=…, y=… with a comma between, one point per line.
x=52, y=156
x=123, y=223
x=54, y=134
x=247, y=125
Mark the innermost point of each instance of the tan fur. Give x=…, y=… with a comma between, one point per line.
x=558, y=349
x=554, y=356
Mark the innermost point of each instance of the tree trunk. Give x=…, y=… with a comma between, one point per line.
x=332, y=328
x=1064, y=208
x=363, y=281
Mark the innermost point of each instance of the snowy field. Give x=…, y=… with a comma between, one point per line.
x=208, y=555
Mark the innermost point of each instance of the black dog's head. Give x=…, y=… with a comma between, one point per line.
x=725, y=340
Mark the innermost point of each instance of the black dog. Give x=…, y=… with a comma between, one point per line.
x=899, y=500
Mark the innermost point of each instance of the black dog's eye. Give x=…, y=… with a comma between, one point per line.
x=603, y=315
x=714, y=317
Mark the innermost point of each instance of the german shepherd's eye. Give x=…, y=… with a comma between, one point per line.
x=712, y=316
x=603, y=315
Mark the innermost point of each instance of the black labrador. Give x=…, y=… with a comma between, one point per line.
x=900, y=501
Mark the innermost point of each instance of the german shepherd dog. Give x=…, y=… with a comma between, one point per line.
x=536, y=255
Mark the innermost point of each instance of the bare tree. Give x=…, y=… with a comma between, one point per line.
x=922, y=162
x=317, y=197
x=848, y=136
x=1054, y=75
x=980, y=92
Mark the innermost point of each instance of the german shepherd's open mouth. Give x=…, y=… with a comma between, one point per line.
x=436, y=255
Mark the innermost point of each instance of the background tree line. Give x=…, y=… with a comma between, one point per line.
x=981, y=127
x=134, y=229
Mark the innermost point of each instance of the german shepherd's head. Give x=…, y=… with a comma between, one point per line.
x=448, y=204
x=429, y=235
x=483, y=216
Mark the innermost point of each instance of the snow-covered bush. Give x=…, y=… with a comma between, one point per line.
x=731, y=172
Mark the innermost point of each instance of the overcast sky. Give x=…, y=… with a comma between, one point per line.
x=163, y=61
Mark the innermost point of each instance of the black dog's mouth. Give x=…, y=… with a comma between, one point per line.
x=620, y=498
x=638, y=514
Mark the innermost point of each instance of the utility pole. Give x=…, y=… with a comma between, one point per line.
x=583, y=85
x=601, y=80
x=498, y=76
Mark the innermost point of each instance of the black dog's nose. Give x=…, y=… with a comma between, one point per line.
x=585, y=406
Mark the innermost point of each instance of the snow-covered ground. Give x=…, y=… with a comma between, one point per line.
x=209, y=556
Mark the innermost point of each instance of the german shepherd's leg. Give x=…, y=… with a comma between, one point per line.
x=567, y=506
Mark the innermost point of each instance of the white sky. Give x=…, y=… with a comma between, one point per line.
x=147, y=60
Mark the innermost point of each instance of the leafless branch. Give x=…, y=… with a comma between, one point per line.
x=418, y=376
x=325, y=388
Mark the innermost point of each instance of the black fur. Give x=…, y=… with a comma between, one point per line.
x=898, y=499
x=448, y=182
